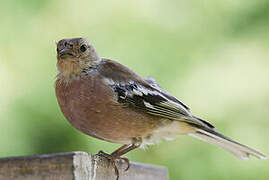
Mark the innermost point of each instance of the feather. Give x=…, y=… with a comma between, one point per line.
x=239, y=150
x=153, y=101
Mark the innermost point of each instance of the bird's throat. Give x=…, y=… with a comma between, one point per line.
x=69, y=69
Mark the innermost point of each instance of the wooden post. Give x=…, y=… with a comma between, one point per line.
x=74, y=166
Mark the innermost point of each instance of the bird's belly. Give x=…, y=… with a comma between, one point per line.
x=111, y=122
x=117, y=125
x=93, y=110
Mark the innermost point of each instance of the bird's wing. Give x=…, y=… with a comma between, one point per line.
x=145, y=94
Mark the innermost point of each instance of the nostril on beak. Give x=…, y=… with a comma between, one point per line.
x=65, y=52
x=62, y=51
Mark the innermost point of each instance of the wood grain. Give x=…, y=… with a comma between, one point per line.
x=74, y=166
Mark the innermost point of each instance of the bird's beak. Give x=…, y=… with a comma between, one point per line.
x=65, y=53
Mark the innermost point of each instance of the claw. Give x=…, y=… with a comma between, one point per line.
x=116, y=155
x=113, y=159
x=126, y=160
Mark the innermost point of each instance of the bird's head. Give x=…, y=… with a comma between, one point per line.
x=75, y=55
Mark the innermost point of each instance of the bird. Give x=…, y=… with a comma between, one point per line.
x=106, y=100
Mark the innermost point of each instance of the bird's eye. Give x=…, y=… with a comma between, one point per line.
x=83, y=48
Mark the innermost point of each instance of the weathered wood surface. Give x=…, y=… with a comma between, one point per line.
x=74, y=166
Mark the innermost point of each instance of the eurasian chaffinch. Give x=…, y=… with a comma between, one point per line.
x=108, y=101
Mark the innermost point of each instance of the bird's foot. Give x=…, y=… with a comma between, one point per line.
x=113, y=160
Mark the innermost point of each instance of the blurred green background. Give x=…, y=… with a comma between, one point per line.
x=212, y=55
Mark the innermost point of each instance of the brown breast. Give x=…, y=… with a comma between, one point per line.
x=90, y=105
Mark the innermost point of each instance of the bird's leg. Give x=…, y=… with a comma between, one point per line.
x=116, y=155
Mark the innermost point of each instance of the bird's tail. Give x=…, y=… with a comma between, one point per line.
x=211, y=136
